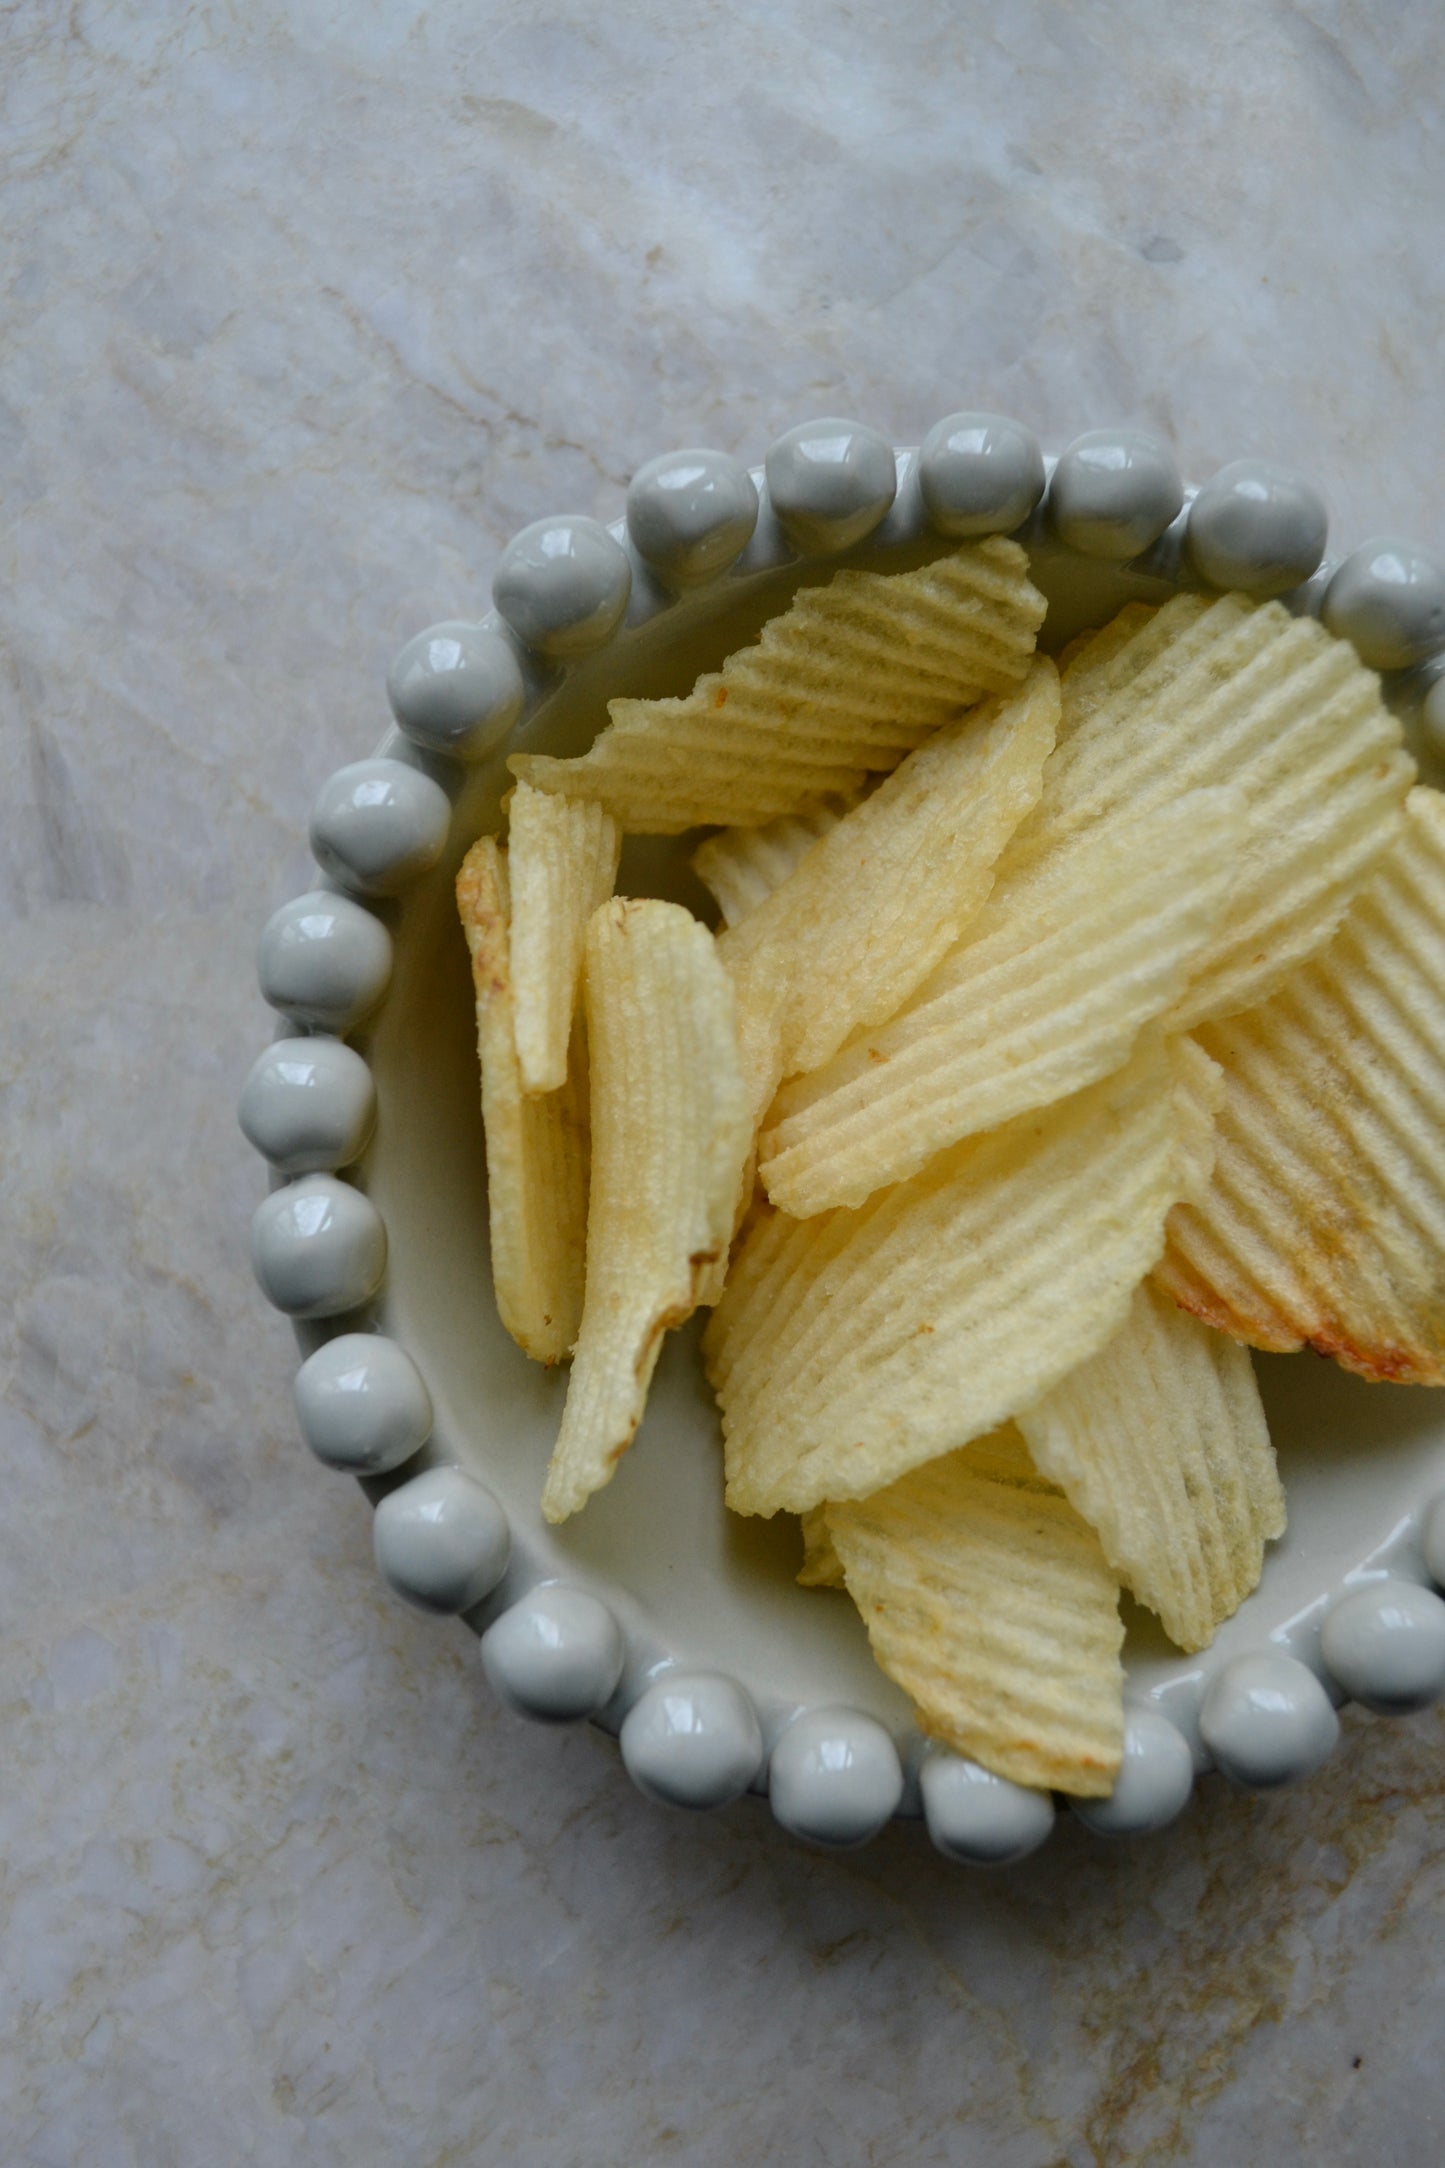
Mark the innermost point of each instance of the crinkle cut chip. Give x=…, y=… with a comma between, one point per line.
x=1324, y=1223
x=841, y=685
x=1160, y=1443
x=853, y=1346
x=989, y=1601
x=670, y=1133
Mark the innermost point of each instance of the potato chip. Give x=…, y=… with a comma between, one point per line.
x=875, y=902
x=670, y=1133
x=742, y=866
x=562, y=860
x=821, y=1567
x=845, y=682
x=1048, y=991
x=536, y=1146
x=1197, y=1096
x=1088, y=653
x=1324, y=1225
x=853, y=1346
x=1231, y=692
x=989, y=1601
x=1160, y=1443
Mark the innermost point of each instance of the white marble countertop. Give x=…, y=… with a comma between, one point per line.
x=306, y=308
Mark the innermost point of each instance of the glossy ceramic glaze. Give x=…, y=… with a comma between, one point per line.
x=979, y=474
x=441, y=1540
x=557, y=1655
x=362, y=1404
x=457, y=689
x=323, y=961
x=1389, y=598
x=692, y=1739
x=667, y=1620
x=1256, y=527
x=690, y=514
x=1114, y=491
x=829, y=483
x=309, y=1105
x=979, y=1819
x=378, y=825
x=834, y=1777
x=562, y=586
x=318, y=1247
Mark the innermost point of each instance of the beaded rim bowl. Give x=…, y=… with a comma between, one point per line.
x=658, y=1615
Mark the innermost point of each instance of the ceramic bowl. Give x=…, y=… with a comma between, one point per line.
x=676, y=1626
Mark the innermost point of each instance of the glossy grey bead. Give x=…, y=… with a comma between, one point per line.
x=308, y=1105
x=1385, y=1645
x=830, y=482
x=562, y=585
x=441, y=1540
x=692, y=1739
x=1267, y=1720
x=980, y=474
x=979, y=1819
x=456, y=689
x=1154, y=1782
x=1388, y=598
x=557, y=1655
x=834, y=1777
x=318, y=1247
x=324, y=960
x=691, y=514
x=1114, y=492
x=378, y=825
x=362, y=1404
x=1257, y=528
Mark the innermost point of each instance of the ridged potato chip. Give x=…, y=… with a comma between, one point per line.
x=742, y=866
x=821, y=1567
x=1091, y=652
x=536, y=1145
x=670, y=1133
x=1047, y=992
x=853, y=1346
x=1237, y=693
x=878, y=899
x=1160, y=1443
x=562, y=860
x=1324, y=1224
x=989, y=1601
x=843, y=683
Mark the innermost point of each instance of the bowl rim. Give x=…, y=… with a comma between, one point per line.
x=1177, y=1726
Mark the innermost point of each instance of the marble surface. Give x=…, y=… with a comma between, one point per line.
x=307, y=308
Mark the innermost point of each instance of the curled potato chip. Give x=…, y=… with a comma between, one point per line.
x=742, y=866
x=821, y=1567
x=1160, y=1443
x=670, y=1134
x=1237, y=693
x=878, y=899
x=536, y=1145
x=989, y=1601
x=1048, y=991
x=843, y=683
x=853, y=1346
x=1324, y=1223
x=562, y=861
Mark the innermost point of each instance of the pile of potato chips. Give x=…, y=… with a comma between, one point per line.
x=1073, y=1027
